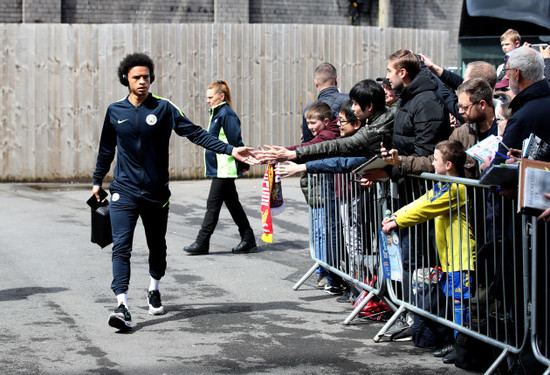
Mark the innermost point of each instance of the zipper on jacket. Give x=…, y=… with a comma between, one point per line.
x=140, y=151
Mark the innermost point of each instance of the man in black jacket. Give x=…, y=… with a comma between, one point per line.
x=421, y=121
x=420, y=118
x=138, y=130
x=531, y=104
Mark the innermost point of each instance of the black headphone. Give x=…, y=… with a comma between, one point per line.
x=124, y=78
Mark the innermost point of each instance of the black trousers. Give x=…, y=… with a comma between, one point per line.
x=223, y=190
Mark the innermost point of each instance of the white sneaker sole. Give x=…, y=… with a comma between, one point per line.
x=156, y=311
x=117, y=321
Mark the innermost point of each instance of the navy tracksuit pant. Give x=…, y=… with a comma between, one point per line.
x=125, y=211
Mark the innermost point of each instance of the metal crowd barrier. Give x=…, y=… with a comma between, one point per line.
x=540, y=296
x=494, y=293
x=343, y=225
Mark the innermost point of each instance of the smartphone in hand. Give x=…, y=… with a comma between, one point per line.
x=94, y=203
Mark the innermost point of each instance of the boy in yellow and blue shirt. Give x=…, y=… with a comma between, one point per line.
x=446, y=204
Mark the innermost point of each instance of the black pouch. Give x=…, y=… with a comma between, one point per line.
x=101, y=220
x=101, y=226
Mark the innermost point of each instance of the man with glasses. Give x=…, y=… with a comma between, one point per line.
x=531, y=104
x=530, y=114
x=476, y=106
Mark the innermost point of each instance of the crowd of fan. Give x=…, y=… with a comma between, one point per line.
x=418, y=118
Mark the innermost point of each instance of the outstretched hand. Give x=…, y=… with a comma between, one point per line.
x=371, y=177
x=273, y=154
x=288, y=168
x=436, y=69
x=244, y=155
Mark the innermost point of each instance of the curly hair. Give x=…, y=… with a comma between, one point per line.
x=131, y=60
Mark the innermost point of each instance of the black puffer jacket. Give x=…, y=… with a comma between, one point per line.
x=420, y=118
x=366, y=142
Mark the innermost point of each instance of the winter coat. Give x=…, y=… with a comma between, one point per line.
x=420, y=119
x=468, y=135
x=365, y=142
x=530, y=114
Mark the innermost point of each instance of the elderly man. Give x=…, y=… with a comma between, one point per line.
x=531, y=104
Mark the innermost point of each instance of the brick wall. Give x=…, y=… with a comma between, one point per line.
x=416, y=14
x=42, y=11
x=231, y=11
x=12, y=11
x=430, y=14
x=138, y=11
x=331, y=12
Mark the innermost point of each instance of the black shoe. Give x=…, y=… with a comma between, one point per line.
x=442, y=352
x=450, y=357
x=155, y=305
x=244, y=246
x=121, y=318
x=196, y=249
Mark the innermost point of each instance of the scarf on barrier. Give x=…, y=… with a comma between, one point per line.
x=272, y=201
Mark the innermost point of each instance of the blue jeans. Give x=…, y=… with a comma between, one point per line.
x=125, y=212
x=323, y=235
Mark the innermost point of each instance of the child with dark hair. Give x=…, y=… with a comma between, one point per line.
x=454, y=238
x=348, y=198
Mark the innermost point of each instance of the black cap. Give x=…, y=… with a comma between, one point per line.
x=384, y=80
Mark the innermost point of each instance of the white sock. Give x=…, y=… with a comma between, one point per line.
x=122, y=298
x=154, y=284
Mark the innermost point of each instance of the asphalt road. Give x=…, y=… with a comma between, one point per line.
x=226, y=313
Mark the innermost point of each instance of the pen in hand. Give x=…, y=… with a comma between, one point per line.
x=504, y=156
